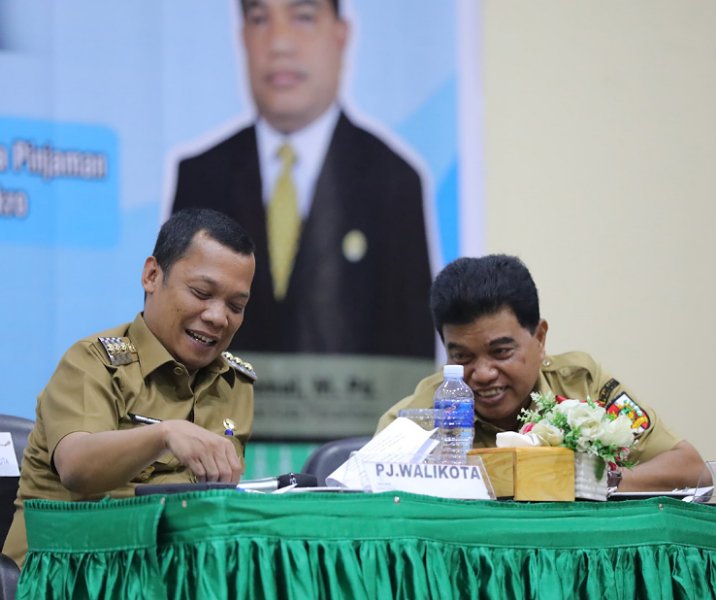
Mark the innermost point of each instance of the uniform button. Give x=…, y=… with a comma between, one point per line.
x=178, y=370
x=546, y=362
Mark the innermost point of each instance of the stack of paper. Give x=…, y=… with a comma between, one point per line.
x=403, y=441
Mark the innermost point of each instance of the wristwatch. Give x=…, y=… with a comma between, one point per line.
x=614, y=478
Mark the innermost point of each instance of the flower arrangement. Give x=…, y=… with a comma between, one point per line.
x=581, y=425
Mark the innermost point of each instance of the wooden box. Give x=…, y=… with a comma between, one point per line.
x=530, y=474
x=500, y=466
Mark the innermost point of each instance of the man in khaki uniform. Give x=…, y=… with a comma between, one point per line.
x=157, y=400
x=486, y=311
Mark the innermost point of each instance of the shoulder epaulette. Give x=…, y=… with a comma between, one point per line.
x=241, y=366
x=573, y=361
x=121, y=350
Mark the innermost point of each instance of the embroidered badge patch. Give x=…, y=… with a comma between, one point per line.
x=624, y=405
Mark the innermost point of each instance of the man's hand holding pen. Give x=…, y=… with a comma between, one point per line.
x=211, y=457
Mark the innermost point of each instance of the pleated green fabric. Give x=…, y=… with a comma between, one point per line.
x=222, y=544
x=104, y=549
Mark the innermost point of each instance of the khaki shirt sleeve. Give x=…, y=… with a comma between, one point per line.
x=656, y=438
x=578, y=375
x=422, y=397
x=80, y=396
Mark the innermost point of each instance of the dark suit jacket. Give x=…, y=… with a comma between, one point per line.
x=378, y=305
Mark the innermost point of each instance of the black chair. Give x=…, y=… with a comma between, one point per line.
x=9, y=574
x=19, y=429
x=327, y=458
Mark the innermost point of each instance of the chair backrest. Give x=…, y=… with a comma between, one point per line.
x=327, y=458
x=9, y=574
x=19, y=429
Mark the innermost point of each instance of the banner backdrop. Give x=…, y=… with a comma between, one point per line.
x=101, y=103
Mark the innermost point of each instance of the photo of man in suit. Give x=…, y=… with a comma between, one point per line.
x=342, y=260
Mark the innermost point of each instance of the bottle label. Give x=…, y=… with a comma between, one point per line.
x=455, y=415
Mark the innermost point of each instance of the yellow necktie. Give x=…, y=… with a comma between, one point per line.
x=284, y=223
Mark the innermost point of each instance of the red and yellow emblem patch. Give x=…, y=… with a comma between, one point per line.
x=624, y=405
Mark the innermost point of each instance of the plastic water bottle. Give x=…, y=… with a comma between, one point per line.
x=456, y=425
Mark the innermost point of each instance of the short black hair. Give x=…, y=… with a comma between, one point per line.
x=334, y=3
x=179, y=230
x=469, y=288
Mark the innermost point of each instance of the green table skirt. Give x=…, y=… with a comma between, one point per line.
x=225, y=544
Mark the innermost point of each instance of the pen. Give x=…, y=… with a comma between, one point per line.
x=140, y=419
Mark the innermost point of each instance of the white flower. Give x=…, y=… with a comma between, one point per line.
x=565, y=406
x=582, y=426
x=548, y=434
x=587, y=418
x=618, y=433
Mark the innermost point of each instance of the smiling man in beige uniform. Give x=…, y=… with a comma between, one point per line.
x=486, y=311
x=156, y=400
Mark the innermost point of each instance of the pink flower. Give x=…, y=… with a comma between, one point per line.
x=527, y=428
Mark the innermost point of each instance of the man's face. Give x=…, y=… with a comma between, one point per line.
x=294, y=50
x=502, y=361
x=196, y=310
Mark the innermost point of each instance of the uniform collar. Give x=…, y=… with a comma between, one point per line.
x=542, y=385
x=152, y=354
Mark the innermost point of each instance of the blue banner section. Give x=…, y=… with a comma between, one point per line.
x=95, y=119
x=438, y=146
x=58, y=184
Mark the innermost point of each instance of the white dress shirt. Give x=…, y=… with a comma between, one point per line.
x=309, y=144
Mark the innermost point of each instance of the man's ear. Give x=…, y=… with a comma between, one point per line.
x=151, y=275
x=343, y=30
x=541, y=335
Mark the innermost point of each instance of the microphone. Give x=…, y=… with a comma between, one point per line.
x=270, y=484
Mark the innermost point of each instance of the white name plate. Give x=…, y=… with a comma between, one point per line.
x=465, y=482
x=8, y=460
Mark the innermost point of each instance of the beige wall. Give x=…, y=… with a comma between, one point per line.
x=600, y=150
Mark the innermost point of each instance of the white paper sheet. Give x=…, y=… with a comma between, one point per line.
x=401, y=441
x=8, y=460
